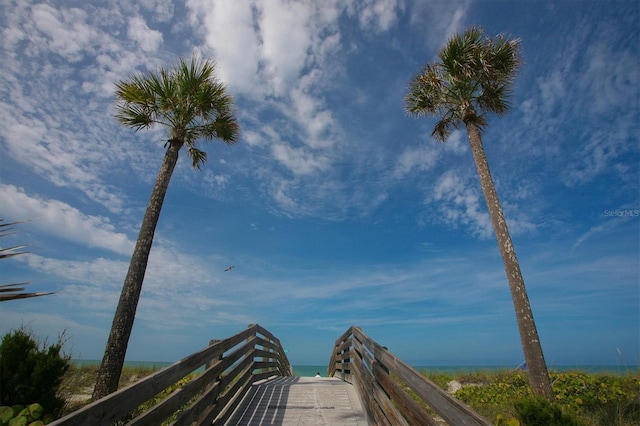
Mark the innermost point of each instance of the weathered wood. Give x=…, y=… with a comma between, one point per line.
x=383, y=408
x=214, y=384
x=370, y=368
x=230, y=400
x=294, y=401
x=408, y=406
x=203, y=404
x=450, y=409
x=179, y=398
x=117, y=405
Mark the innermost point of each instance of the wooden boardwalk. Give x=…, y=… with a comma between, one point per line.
x=300, y=401
x=247, y=380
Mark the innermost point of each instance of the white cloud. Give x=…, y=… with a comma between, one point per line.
x=376, y=15
x=299, y=160
x=62, y=31
x=456, y=21
x=420, y=159
x=162, y=10
x=148, y=39
x=62, y=220
x=318, y=126
x=457, y=142
x=286, y=40
x=610, y=76
x=59, y=155
x=458, y=203
x=102, y=273
x=439, y=20
x=281, y=191
x=227, y=26
x=552, y=90
x=591, y=79
x=68, y=140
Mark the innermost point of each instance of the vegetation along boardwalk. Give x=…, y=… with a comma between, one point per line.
x=300, y=401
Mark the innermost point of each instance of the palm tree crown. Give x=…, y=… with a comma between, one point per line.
x=474, y=76
x=188, y=100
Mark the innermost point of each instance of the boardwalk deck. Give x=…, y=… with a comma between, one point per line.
x=300, y=401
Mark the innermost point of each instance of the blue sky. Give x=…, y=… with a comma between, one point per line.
x=335, y=208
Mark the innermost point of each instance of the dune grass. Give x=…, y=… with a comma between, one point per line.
x=77, y=385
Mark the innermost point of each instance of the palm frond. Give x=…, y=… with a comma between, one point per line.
x=11, y=291
x=426, y=92
x=6, y=252
x=494, y=98
x=15, y=292
x=475, y=73
x=225, y=128
x=443, y=128
x=188, y=100
x=197, y=156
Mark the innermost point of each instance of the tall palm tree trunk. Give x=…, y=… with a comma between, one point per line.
x=538, y=374
x=116, y=348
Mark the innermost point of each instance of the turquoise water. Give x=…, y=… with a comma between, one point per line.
x=311, y=370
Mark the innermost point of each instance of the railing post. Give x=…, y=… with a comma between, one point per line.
x=211, y=361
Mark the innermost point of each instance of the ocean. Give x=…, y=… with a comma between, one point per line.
x=311, y=370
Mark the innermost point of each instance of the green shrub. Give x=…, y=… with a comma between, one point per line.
x=30, y=371
x=540, y=412
x=439, y=378
x=600, y=399
x=31, y=415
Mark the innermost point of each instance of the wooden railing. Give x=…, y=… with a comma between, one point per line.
x=359, y=360
x=230, y=367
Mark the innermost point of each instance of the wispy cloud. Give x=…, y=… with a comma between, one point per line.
x=62, y=220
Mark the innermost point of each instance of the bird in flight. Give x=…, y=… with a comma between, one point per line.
x=229, y=268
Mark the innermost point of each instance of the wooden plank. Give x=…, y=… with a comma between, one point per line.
x=374, y=411
x=179, y=398
x=337, y=349
x=378, y=396
x=118, y=404
x=229, y=401
x=267, y=334
x=299, y=401
x=204, y=404
x=242, y=348
x=450, y=409
x=365, y=388
x=410, y=409
x=211, y=402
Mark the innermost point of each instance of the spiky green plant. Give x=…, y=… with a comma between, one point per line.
x=14, y=291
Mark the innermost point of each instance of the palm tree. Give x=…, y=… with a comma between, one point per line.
x=193, y=105
x=473, y=78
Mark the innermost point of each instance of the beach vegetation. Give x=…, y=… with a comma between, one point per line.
x=605, y=399
x=31, y=372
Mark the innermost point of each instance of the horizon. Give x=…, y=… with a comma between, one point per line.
x=567, y=367
x=335, y=208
